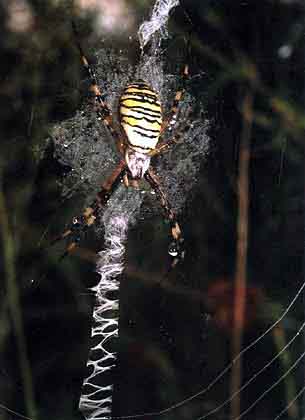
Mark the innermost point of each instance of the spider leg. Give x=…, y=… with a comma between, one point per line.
x=101, y=108
x=171, y=118
x=81, y=223
x=165, y=147
x=176, y=249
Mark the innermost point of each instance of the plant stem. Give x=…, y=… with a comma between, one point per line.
x=14, y=304
x=240, y=282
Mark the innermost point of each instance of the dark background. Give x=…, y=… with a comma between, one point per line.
x=175, y=333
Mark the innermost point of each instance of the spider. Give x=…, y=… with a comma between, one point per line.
x=142, y=126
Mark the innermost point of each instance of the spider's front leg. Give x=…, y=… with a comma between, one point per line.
x=165, y=147
x=171, y=118
x=102, y=110
x=176, y=248
x=81, y=223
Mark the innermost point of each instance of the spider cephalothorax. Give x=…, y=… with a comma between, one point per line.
x=137, y=162
x=142, y=126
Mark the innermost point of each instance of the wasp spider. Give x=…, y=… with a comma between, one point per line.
x=142, y=127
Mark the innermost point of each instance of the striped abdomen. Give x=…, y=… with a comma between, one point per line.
x=140, y=116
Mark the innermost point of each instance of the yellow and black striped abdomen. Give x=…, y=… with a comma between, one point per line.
x=141, y=116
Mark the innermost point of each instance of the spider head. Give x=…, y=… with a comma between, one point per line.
x=137, y=163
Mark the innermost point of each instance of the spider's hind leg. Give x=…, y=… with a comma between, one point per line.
x=80, y=224
x=176, y=248
x=76, y=230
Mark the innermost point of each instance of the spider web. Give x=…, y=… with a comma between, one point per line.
x=281, y=355
x=177, y=170
x=84, y=144
x=286, y=312
x=82, y=141
x=157, y=22
x=78, y=143
x=96, y=399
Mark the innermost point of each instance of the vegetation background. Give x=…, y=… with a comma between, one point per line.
x=177, y=333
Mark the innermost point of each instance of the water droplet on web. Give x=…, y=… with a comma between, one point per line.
x=285, y=51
